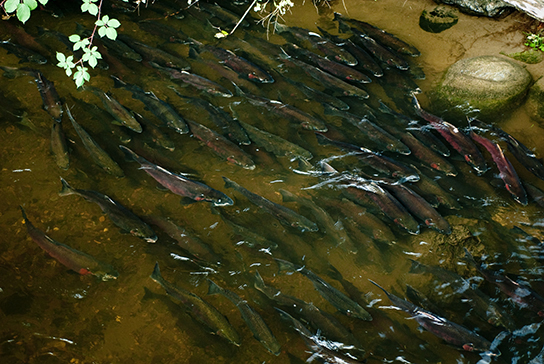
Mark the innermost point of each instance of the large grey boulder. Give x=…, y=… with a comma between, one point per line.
x=534, y=8
x=535, y=101
x=493, y=8
x=487, y=86
x=489, y=8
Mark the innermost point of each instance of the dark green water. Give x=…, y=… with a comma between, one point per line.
x=51, y=315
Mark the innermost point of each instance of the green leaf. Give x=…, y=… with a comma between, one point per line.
x=90, y=7
x=93, y=61
x=23, y=13
x=81, y=44
x=93, y=9
x=81, y=76
x=61, y=57
x=43, y=2
x=102, y=31
x=114, y=23
x=100, y=23
x=105, y=19
x=32, y=4
x=111, y=33
x=11, y=5
x=74, y=38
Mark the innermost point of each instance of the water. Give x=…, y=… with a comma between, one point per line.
x=51, y=315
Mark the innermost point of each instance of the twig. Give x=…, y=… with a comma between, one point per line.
x=243, y=17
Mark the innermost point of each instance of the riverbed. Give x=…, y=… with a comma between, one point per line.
x=49, y=314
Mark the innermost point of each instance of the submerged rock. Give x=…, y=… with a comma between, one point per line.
x=489, y=8
x=535, y=102
x=488, y=85
x=438, y=19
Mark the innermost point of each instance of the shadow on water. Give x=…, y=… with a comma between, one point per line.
x=50, y=314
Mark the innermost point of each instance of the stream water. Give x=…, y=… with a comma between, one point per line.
x=49, y=314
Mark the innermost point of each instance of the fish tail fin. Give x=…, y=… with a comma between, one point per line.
x=66, y=188
x=94, y=90
x=284, y=55
x=213, y=288
x=148, y=294
x=129, y=154
x=323, y=140
x=80, y=28
x=469, y=122
x=74, y=122
x=173, y=88
x=330, y=110
x=416, y=267
x=287, y=196
x=229, y=183
x=259, y=282
x=156, y=275
x=239, y=91
x=193, y=53
x=385, y=109
x=334, y=273
x=117, y=82
x=297, y=325
x=284, y=315
x=235, y=115
x=415, y=103
x=195, y=48
x=337, y=16
x=194, y=42
x=323, y=31
x=24, y=213
x=287, y=317
x=157, y=66
x=470, y=258
x=343, y=27
x=327, y=168
x=284, y=265
x=280, y=28
x=380, y=287
x=12, y=72
x=41, y=30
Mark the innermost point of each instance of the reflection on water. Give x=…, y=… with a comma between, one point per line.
x=255, y=247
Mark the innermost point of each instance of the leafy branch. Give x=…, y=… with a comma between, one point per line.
x=104, y=25
x=106, y=28
x=21, y=8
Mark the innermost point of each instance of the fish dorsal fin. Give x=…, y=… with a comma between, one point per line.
x=152, y=95
x=107, y=198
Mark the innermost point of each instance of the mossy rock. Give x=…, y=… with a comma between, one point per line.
x=535, y=101
x=532, y=56
x=484, y=86
x=438, y=19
